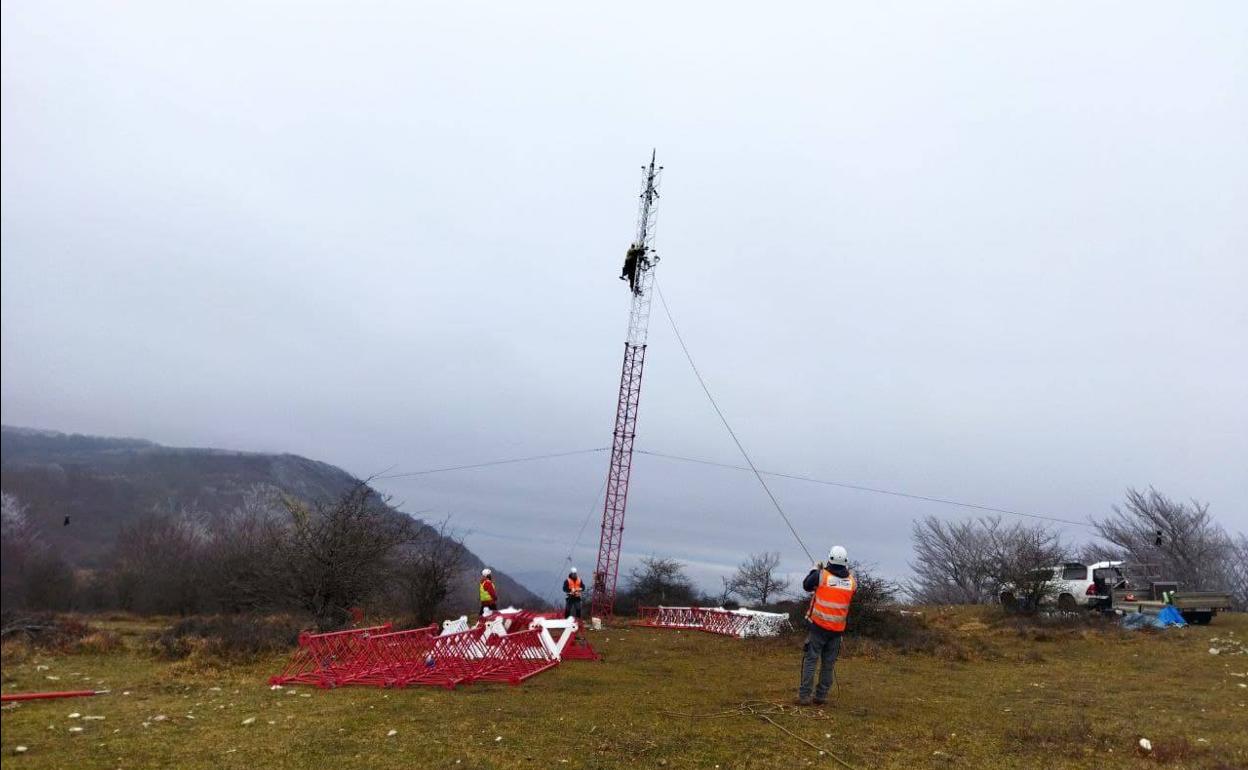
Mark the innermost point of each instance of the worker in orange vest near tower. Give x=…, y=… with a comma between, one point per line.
x=489, y=594
x=572, y=590
x=833, y=586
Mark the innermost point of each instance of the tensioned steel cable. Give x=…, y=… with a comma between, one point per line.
x=594, y=508
x=493, y=462
x=667, y=311
x=730, y=466
x=861, y=488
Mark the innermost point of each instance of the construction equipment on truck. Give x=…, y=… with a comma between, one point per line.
x=1145, y=591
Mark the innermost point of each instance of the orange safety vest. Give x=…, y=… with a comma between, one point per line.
x=574, y=587
x=829, y=607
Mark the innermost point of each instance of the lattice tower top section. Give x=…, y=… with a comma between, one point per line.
x=639, y=313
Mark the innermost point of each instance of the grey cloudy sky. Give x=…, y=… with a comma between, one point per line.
x=990, y=251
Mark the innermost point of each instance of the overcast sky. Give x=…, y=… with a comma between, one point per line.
x=990, y=251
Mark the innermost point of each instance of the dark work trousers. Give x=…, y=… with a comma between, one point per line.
x=572, y=607
x=821, y=645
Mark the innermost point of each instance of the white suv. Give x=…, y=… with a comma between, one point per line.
x=1085, y=585
x=1080, y=585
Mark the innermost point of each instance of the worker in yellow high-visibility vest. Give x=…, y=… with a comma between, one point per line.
x=833, y=586
x=488, y=593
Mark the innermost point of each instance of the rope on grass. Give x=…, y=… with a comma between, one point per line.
x=763, y=710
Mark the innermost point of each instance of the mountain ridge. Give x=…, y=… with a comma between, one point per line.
x=98, y=484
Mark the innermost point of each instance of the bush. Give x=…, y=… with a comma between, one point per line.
x=228, y=637
x=43, y=630
x=99, y=643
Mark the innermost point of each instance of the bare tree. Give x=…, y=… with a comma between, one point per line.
x=339, y=555
x=19, y=543
x=1183, y=539
x=1238, y=571
x=953, y=561
x=157, y=565
x=659, y=581
x=1021, y=563
x=757, y=579
x=428, y=569
x=977, y=561
x=239, y=571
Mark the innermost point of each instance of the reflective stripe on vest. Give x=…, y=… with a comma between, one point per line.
x=485, y=595
x=829, y=607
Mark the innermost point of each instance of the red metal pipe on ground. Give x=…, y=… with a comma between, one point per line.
x=14, y=696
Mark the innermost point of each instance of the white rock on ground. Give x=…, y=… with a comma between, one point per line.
x=1146, y=744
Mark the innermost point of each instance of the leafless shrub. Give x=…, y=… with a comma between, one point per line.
x=32, y=574
x=157, y=567
x=42, y=630
x=873, y=603
x=228, y=637
x=99, y=642
x=339, y=555
x=427, y=570
x=241, y=571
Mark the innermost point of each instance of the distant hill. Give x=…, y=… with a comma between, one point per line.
x=102, y=483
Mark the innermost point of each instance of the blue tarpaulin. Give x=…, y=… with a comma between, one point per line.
x=1167, y=618
x=1171, y=617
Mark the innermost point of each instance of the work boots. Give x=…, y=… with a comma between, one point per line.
x=804, y=700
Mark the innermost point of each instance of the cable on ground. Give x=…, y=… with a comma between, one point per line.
x=764, y=710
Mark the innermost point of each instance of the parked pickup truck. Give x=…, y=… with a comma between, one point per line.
x=1197, y=607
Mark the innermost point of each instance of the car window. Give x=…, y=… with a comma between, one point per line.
x=1074, y=572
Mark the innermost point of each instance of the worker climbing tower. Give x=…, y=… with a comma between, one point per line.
x=639, y=265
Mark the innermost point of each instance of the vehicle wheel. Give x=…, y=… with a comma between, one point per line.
x=1067, y=603
x=1198, y=618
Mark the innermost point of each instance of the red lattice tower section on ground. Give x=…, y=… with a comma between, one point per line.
x=606, y=573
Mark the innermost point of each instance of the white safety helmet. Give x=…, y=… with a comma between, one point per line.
x=838, y=555
x=574, y=570
x=485, y=572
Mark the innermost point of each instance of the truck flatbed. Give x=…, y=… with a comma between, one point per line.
x=1197, y=607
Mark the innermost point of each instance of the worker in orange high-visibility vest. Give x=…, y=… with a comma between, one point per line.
x=833, y=586
x=573, y=588
x=488, y=593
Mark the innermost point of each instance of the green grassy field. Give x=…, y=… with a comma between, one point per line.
x=996, y=698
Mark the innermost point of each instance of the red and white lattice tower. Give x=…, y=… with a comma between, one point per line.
x=608, y=568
